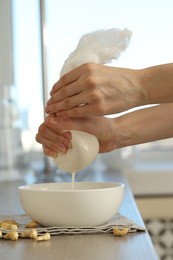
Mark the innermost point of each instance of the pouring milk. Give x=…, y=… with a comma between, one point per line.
x=84, y=150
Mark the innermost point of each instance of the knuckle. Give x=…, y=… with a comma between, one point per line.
x=53, y=108
x=64, y=79
x=95, y=96
x=54, y=85
x=74, y=112
x=54, y=146
x=37, y=137
x=46, y=151
x=90, y=66
x=67, y=103
x=41, y=129
x=53, y=98
x=90, y=81
x=63, y=93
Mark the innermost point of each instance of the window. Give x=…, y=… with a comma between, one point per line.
x=27, y=67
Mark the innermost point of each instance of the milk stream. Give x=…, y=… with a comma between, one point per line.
x=73, y=179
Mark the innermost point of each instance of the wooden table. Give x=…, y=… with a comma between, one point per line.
x=136, y=246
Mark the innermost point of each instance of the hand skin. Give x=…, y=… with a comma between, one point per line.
x=53, y=141
x=96, y=90
x=49, y=132
x=141, y=126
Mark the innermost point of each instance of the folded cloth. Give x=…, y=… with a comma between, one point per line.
x=118, y=221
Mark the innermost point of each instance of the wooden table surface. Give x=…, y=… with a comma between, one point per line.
x=136, y=246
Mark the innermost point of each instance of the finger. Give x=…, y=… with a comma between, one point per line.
x=82, y=111
x=53, y=140
x=66, y=79
x=86, y=124
x=66, y=91
x=49, y=152
x=67, y=104
x=52, y=145
x=66, y=123
x=58, y=136
x=101, y=127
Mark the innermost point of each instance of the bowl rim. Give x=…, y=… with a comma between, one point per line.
x=32, y=187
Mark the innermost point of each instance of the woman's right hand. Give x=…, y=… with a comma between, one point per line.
x=95, y=90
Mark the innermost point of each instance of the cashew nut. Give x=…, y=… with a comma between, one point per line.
x=32, y=233
x=13, y=235
x=44, y=237
x=120, y=232
x=8, y=226
x=32, y=224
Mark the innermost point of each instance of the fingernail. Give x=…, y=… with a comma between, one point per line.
x=68, y=144
x=68, y=135
x=53, y=154
x=52, y=120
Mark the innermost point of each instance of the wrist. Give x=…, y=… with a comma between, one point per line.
x=123, y=134
x=141, y=97
x=157, y=83
x=137, y=95
x=144, y=125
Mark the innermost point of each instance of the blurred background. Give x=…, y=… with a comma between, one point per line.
x=36, y=37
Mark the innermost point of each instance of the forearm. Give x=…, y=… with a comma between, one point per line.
x=145, y=125
x=157, y=82
x=141, y=126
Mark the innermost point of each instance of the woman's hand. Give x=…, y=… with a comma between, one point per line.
x=95, y=90
x=53, y=142
x=141, y=126
x=54, y=139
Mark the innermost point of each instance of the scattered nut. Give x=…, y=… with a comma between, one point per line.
x=120, y=232
x=32, y=224
x=12, y=226
x=9, y=221
x=44, y=237
x=13, y=235
x=32, y=233
x=9, y=226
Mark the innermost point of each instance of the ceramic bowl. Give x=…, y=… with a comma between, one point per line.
x=56, y=204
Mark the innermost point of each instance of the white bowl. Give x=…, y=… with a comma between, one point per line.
x=56, y=204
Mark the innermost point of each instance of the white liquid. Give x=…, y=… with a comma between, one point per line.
x=73, y=179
